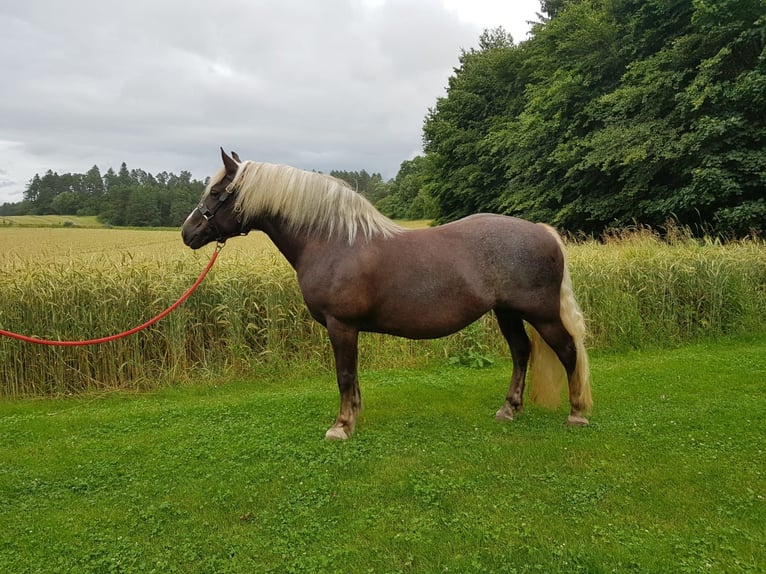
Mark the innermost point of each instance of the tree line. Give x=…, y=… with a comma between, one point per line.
x=123, y=198
x=136, y=198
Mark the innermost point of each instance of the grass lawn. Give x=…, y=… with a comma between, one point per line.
x=669, y=477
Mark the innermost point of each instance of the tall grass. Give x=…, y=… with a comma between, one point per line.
x=636, y=291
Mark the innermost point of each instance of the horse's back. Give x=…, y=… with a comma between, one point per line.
x=520, y=261
x=509, y=242
x=490, y=260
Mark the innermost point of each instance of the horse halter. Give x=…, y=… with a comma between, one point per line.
x=209, y=213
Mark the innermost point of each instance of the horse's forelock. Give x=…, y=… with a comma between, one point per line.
x=216, y=179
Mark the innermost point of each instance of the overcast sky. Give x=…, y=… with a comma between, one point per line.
x=160, y=84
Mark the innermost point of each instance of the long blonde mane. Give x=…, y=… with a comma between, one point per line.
x=306, y=201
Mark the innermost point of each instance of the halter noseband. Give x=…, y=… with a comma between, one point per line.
x=209, y=214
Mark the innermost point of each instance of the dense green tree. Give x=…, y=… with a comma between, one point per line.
x=723, y=104
x=18, y=208
x=409, y=195
x=586, y=169
x=371, y=186
x=93, y=184
x=134, y=197
x=458, y=131
x=66, y=203
x=32, y=191
x=614, y=112
x=92, y=192
x=123, y=176
x=41, y=191
x=141, y=209
x=128, y=197
x=180, y=205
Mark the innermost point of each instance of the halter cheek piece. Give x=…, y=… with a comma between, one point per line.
x=209, y=214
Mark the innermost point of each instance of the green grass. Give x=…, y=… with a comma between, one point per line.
x=669, y=477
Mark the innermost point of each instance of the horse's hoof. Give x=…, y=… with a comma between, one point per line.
x=504, y=414
x=336, y=433
x=574, y=421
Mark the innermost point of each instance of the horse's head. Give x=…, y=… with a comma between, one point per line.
x=215, y=218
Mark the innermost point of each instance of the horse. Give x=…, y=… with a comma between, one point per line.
x=360, y=271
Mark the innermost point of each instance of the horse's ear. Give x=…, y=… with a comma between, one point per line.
x=236, y=157
x=230, y=165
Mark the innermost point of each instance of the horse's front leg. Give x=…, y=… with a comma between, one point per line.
x=344, y=340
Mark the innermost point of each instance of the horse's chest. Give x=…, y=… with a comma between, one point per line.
x=339, y=297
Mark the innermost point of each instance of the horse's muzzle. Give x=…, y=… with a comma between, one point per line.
x=192, y=237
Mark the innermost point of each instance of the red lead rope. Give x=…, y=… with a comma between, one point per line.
x=150, y=322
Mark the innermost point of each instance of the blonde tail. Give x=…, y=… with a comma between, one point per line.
x=547, y=374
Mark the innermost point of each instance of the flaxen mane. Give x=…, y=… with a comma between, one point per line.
x=307, y=201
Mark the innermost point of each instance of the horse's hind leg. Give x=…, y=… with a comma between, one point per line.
x=561, y=342
x=344, y=340
x=512, y=328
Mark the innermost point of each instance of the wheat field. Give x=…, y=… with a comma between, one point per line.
x=248, y=315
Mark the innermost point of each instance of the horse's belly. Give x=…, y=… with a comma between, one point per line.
x=428, y=320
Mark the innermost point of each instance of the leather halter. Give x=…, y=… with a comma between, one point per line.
x=208, y=213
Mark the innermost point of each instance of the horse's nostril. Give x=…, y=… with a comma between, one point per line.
x=189, y=236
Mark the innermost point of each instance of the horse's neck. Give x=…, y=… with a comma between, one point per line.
x=291, y=244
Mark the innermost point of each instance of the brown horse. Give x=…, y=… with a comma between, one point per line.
x=359, y=271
